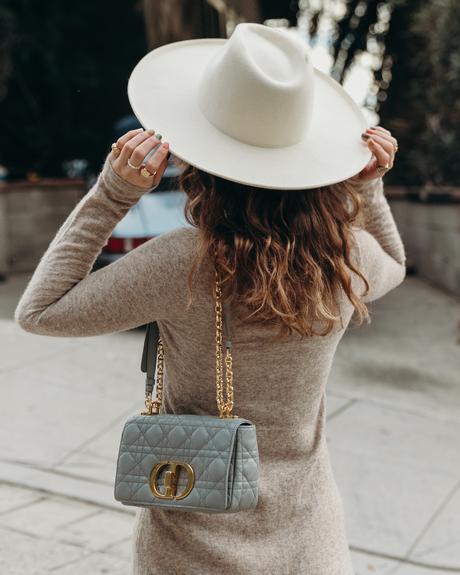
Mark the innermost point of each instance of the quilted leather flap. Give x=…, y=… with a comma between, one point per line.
x=205, y=442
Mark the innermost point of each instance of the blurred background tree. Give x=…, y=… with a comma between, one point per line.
x=174, y=20
x=383, y=29
x=437, y=24
x=416, y=90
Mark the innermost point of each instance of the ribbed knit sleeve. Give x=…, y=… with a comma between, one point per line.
x=379, y=220
x=64, y=299
x=381, y=250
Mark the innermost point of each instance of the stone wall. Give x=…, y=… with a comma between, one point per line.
x=430, y=229
x=30, y=214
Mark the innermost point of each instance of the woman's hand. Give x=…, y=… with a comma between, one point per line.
x=129, y=158
x=383, y=147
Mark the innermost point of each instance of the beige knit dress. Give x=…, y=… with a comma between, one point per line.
x=298, y=526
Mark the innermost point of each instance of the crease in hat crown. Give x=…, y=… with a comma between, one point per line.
x=259, y=87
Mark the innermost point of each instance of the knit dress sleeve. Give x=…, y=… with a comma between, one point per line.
x=64, y=299
x=381, y=252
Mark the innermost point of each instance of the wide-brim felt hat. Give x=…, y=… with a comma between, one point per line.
x=252, y=109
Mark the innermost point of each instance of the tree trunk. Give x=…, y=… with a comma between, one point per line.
x=173, y=20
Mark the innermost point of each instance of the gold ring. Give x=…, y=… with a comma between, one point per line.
x=146, y=174
x=115, y=149
x=382, y=169
x=132, y=165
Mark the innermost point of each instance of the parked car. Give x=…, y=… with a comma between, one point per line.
x=156, y=212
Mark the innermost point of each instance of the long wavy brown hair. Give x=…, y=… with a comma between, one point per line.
x=285, y=254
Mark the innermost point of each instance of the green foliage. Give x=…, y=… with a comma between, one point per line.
x=352, y=34
x=399, y=107
x=423, y=101
x=439, y=23
x=418, y=83
x=68, y=65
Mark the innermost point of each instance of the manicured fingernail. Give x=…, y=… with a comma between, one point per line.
x=151, y=131
x=365, y=136
x=165, y=145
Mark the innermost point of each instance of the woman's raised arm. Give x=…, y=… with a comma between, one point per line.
x=64, y=299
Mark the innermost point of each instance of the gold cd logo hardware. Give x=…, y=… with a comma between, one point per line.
x=171, y=479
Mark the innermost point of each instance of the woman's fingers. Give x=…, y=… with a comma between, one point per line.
x=137, y=157
x=378, y=131
x=129, y=146
x=141, y=148
x=386, y=144
x=382, y=156
x=158, y=161
x=123, y=139
x=383, y=147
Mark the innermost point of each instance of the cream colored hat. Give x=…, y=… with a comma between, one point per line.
x=251, y=109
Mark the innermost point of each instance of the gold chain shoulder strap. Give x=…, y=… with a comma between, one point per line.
x=225, y=405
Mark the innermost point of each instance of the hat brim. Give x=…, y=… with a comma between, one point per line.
x=162, y=93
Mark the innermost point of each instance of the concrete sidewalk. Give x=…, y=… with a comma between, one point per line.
x=42, y=534
x=393, y=431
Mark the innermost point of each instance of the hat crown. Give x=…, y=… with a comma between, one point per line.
x=259, y=87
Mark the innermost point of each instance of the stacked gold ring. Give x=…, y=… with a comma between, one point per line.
x=147, y=174
x=142, y=168
x=131, y=165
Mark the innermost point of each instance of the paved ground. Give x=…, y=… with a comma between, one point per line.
x=41, y=534
x=393, y=432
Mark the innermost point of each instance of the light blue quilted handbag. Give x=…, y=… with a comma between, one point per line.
x=204, y=463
